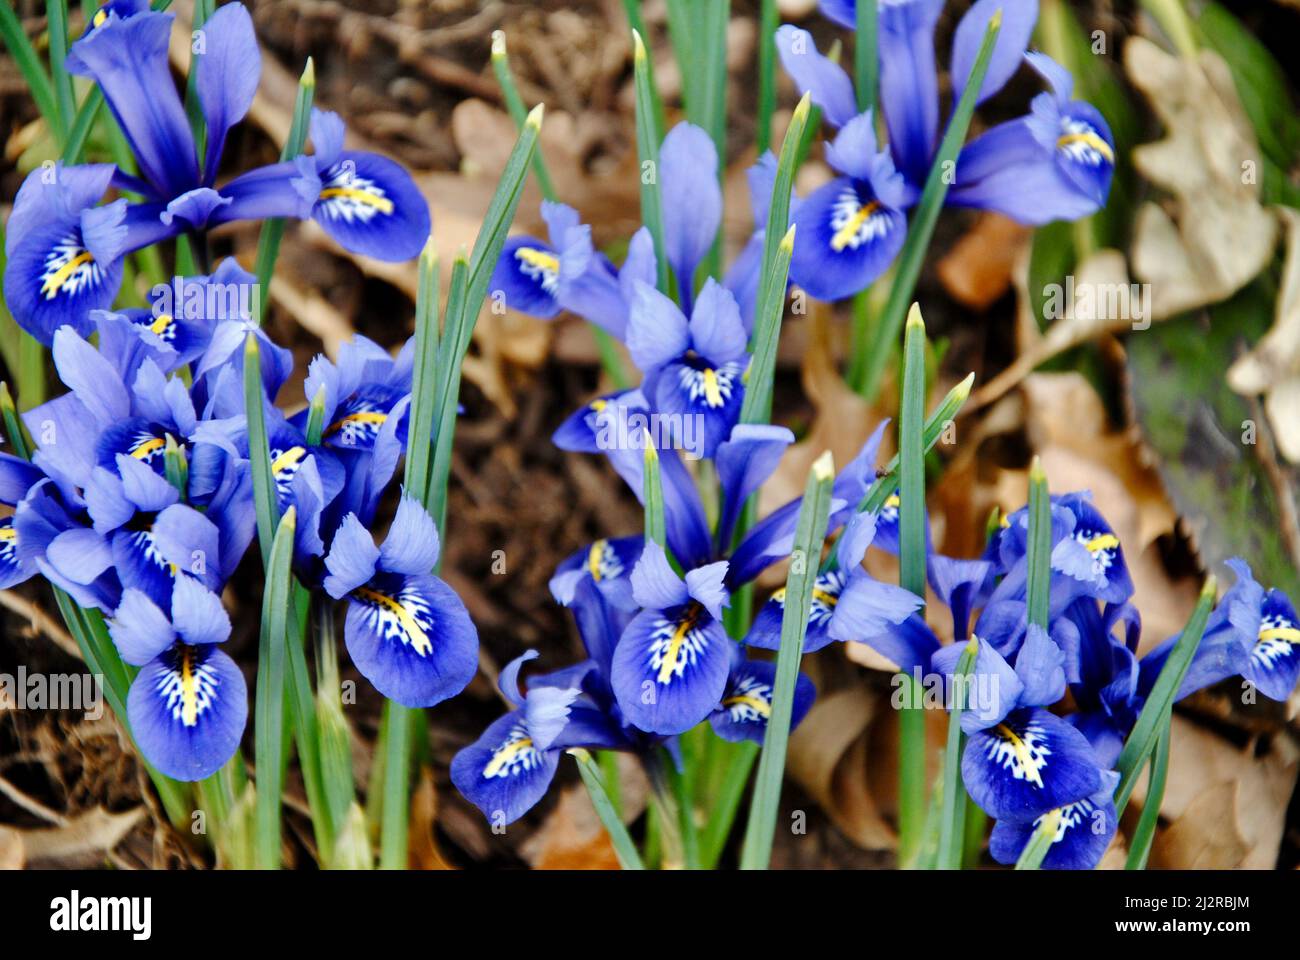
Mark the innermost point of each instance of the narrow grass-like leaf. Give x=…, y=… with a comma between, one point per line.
x=268, y=732
x=649, y=133
x=316, y=418
x=636, y=23
x=515, y=106
x=13, y=427
x=175, y=466
x=911, y=577
x=767, y=24
x=335, y=741
x=424, y=376
x=810, y=533
x=463, y=304
x=193, y=109
x=952, y=818
x=1153, y=718
x=1038, y=552
x=624, y=848
x=653, y=493
x=265, y=503
x=57, y=21
x=717, y=829
x=921, y=229
x=306, y=730
x=29, y=65
x=1140, y=846
x=268, y=242
x=395, y=824
x=866, y=58
x=1040, y=841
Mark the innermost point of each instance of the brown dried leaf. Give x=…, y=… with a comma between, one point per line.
x=572, y=837
x=12, y=854
x=1220, y=236
x=829, y=759
x=978, y=269
x=423, y=846
x=82, y=838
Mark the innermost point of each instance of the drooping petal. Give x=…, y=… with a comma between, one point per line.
x=411, y=637
x=670, y=668
x=189, y=541
x=1029, y=764
x=286, y=189
x=747, y=702
x=79, y=554
x=868, y=607
x=765, y=633
x=187, y=710
x=229, y=69
x=502, y=772
x=140, y=564
x=527, y=277
x=1275, y=656
x=371, y=206
x=830, y=86
x=990, y=691
x=1083, y=832
x=845, y=238
x=698, y=403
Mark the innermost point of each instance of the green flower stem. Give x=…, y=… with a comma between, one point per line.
x=1140, y=846
x=598, y=789
x=810, y=533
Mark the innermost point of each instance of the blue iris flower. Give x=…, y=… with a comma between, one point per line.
x=1055, y=163
x=746, y=702
x=188, y=705
x=17, y=478
x=847, y=603
x=65, y=252
x=406, y=630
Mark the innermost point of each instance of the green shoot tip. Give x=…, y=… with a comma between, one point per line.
x=787, y=242
x=651, y=452
x=995, y=22
x=803, y=109
x=429, y=255
x=638, y=46
x=290, y=518
x=498, y=44
x=535, y=116
x=973, y=645
x=1036, y=473
x=308, y=78
x=250, y=345
x=1210, y=589
x=914, y=318
x=823, y=467
x=580, y=754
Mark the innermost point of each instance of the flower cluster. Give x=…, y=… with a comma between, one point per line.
x=66, y=250
x=137, y=500
x=1054, y=163
x=1027, y=760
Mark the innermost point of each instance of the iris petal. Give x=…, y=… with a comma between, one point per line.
x=412, y=638
x=502, y=772
x=371, y=206
x=845, y=238
x=187, y=711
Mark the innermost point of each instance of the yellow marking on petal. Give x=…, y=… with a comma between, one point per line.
x=668, y=665
x=189, y=690
x=827, y=598
x=142, y=451
x=100, y=16
x=382, y=204
x=505, y=754
x=1021, y=750
x=1089, y=140
x=845, y=234
x=778, y=595
x=287, y=459
x=712, y=393
x=892, y=501
x=593, y=558
x=160, y=325
x=361, y=416
x=1104, y=541
x=54, y=283
x=420, y=641
x=8, y=533
x=539, y=259
x=598, y=405
x=757, y=704
x=1289, y=634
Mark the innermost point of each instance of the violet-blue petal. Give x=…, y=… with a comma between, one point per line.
x=502, y=773
x=411, y=546
x=654, y=583
x=370, y=205
x=352, y=559
x=1018, y=18
x=139, y=630
x=670, y=668
x=830, y=86
x=197, y=613
x=657, y=331
x=228, y=73
x=692, y=200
